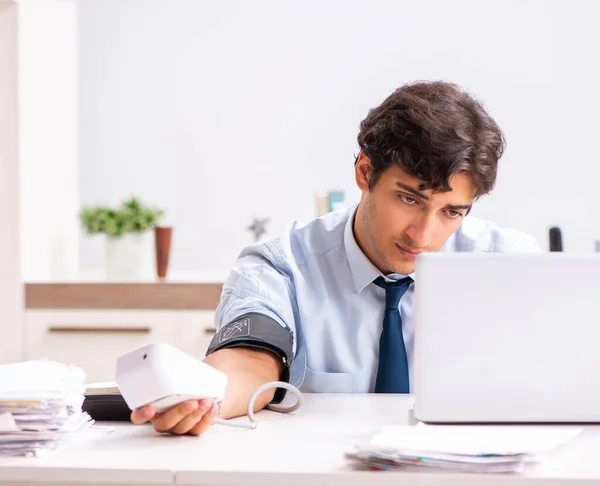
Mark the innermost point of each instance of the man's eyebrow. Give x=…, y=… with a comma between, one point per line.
x=412, y=190
x=425, y=197
x=454, y=207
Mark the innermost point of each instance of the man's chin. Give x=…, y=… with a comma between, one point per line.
x=404, y=268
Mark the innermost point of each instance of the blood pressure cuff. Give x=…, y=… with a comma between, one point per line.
x=257, y=331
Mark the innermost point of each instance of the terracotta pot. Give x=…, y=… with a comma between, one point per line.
x=162, y=237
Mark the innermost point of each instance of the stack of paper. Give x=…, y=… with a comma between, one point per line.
x=494, y=449
x=40, y=407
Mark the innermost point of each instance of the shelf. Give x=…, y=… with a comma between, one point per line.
x=123, y=295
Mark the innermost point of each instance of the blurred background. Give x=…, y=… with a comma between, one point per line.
x=223, y=112
x=133, y=131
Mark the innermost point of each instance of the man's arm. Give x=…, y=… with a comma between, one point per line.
x=254, y=344
x=246, y=370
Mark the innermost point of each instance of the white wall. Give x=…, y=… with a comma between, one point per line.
x=48, y=138
x=11, y=288
x=222, y=111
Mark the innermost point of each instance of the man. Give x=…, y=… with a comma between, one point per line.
x=328, y=305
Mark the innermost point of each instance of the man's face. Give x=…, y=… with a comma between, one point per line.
x=396, y=221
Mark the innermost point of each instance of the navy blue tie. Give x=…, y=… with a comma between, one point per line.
x=392, y=372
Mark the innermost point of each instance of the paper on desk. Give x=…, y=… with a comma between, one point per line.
x=474, y=440
x=7, y=423
x=41, y=407
x=503, y=449
x=102, y=388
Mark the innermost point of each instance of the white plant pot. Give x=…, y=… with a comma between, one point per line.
x=130, y=257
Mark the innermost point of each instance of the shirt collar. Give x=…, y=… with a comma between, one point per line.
x=363, y=271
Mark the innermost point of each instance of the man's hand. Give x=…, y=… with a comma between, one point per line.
x=192, y=417
x=246, y=369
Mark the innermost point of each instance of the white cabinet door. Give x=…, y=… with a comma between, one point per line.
x=93, y=339
x=197, y=329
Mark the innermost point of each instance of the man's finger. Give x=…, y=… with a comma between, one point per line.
x=172, y=417
x=142, y=415
x=189, y=422
x=208, y=419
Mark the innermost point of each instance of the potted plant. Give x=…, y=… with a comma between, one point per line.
x=128, y=231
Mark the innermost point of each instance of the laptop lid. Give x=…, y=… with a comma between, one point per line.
x=507, y=337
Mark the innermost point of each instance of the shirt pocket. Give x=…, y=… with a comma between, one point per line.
x=323, y=382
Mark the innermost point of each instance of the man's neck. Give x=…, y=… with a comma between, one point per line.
x=358, y=230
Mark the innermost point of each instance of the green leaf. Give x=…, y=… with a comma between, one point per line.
x=132, y=216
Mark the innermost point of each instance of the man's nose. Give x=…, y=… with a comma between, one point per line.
x=421, y=231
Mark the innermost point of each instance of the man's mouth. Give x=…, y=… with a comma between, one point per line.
x=408, y=253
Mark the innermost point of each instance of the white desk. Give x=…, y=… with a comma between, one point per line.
x=305, y=448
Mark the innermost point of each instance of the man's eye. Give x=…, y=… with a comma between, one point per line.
x=408, y=200
x=454, y=214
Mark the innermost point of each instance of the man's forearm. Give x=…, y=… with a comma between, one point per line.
x=246, y=370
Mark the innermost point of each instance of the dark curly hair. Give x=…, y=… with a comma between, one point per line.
x=431, y=130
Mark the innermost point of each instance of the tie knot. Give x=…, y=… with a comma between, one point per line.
x=393, y=290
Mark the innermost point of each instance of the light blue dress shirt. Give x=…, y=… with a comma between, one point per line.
x=315, y=280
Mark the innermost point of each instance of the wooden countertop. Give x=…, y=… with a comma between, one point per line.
x=123, y=295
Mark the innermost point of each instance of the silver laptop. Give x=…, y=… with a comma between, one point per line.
x=507, y=338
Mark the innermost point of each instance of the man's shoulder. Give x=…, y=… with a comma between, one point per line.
x=477, y=234
x=302, y=240
x=317, y=237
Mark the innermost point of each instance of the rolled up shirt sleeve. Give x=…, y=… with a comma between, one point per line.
x=257, y=306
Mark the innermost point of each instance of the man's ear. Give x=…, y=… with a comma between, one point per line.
x=362, y=171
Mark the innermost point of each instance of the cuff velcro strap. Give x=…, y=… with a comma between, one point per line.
x=259, y=332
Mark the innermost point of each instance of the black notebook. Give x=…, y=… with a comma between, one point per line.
x=104, y=403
